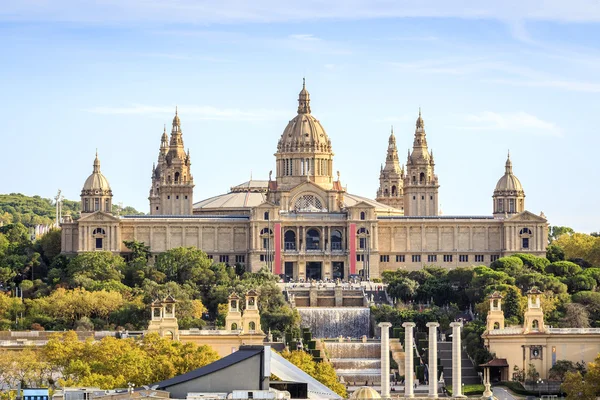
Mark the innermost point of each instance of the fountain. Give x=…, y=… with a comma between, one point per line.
x=333, y=322
x=356, y=362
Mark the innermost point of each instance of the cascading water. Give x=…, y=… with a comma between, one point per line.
x=333, y=322
x=357, y=362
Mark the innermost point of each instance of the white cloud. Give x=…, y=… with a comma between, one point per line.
x=575, y=86
x=194, y=112
x=229, y=11
x=521, y=122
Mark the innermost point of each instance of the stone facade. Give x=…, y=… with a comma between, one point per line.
x=303, y=223
x=534, y=343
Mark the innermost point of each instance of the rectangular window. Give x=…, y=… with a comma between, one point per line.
x=362, y=243
x=500, y=205
x=240, y=259
x=168, y=197
x=96, y=204
x=430, y=197
x=511, y=205
x=432, y=258
x=422, y=197
x=416, y=258
x=400, y=258
x=99, y=243
x=494, y=257
x=210, y=256
x=525, y=243
x=479, y=258
x=447, y=257
x=176, y=197
x=224, y=258
x=384, y=258
x=186, y=197
x=360, y=257
x=463, y=258
x=106, y=205
x=262, y=257
x=86, y=205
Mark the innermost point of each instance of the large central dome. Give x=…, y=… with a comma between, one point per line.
x=304, y=133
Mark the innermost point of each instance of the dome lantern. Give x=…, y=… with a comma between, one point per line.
x=509, y=196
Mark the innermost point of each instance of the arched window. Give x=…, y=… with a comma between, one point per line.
x=393, y=190
x=385, y=192
x=176, y=177
x=313, y=239
x=525, y=234
x=496, y=325
x=98, y=234
x=169, y=335
x=422, y=177
x=525, y=231
x=336, y=240
x=362, y=215
x=535, y=324
x=414, y=180
x=308, y=203
x=234, y=327
x=289, y=240
x=252, y=325
x=169, y=179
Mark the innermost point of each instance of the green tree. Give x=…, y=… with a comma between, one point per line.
x=563, y=268
x=554, y=232
x=555, y=253
x=87, y=269
x=322, y=371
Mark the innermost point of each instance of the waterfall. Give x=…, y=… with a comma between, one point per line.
x=333, y=322
x=356, y=362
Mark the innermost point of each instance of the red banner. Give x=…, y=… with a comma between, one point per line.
x=277, y=232
x=352, y=234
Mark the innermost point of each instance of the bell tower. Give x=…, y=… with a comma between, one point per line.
x=251, y=317
x=420, y=182
x=172, y=187
x=391, y=178
x=233, y=320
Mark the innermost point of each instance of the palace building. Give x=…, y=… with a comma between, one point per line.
x=302, y=223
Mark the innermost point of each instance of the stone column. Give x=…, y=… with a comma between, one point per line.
x=456, y=360
x=433, y=358
x=385, y=359
x=408, y=359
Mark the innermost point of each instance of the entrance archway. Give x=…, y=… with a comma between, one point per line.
x=338, y=270
x=313, y=270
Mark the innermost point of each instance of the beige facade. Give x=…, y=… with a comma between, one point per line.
x=303, y=223
x=534, y=343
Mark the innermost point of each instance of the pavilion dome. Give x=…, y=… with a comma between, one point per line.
x=96, y=183
x=365, y=392
x=304, y=133
x=508, y=183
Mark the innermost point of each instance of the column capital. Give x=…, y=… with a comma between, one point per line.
x=409, y=325
x=456, y=325
x=385, y=325
x=432, y=325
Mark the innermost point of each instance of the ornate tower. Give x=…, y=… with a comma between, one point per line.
x=420, y=182
x=495, y=317
x=304, y=150
x=233, y=320
x=251, y=316
x=533, y=320
x=509, y=197
x=96, y=194
x=172, y=182
x=391, y=178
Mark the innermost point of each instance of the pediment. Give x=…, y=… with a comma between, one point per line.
x=362, y=205
x=265, y=205
x=308, y=187
x=526, y=216
x=99, y=216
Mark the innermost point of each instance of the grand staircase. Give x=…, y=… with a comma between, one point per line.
x=469, y=374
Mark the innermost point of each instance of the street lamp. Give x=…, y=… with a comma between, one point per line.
x=539, y=382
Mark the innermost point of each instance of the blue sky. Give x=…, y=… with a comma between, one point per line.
x=518, y=75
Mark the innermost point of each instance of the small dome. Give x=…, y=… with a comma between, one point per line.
x=304, y=132
x=96, y=183
x=365, y=392
x=509, y=182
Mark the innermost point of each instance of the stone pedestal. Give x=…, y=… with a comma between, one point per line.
x=385, y=359
x=433, y=359
x=408, y=359
x=456, y=360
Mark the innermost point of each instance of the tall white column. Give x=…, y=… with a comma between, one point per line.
x=456, y=360
x=408, y=359
x=433, y=382
x=385, y=359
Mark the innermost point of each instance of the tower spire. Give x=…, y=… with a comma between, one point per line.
x=508, y=166
x=304, y=99
x=96, y=162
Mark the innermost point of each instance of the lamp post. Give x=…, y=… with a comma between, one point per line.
x=539, y=382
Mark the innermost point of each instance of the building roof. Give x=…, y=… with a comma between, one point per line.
x=233, y=200
x=496, y=362
x=352, y=199
x=244, y=353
